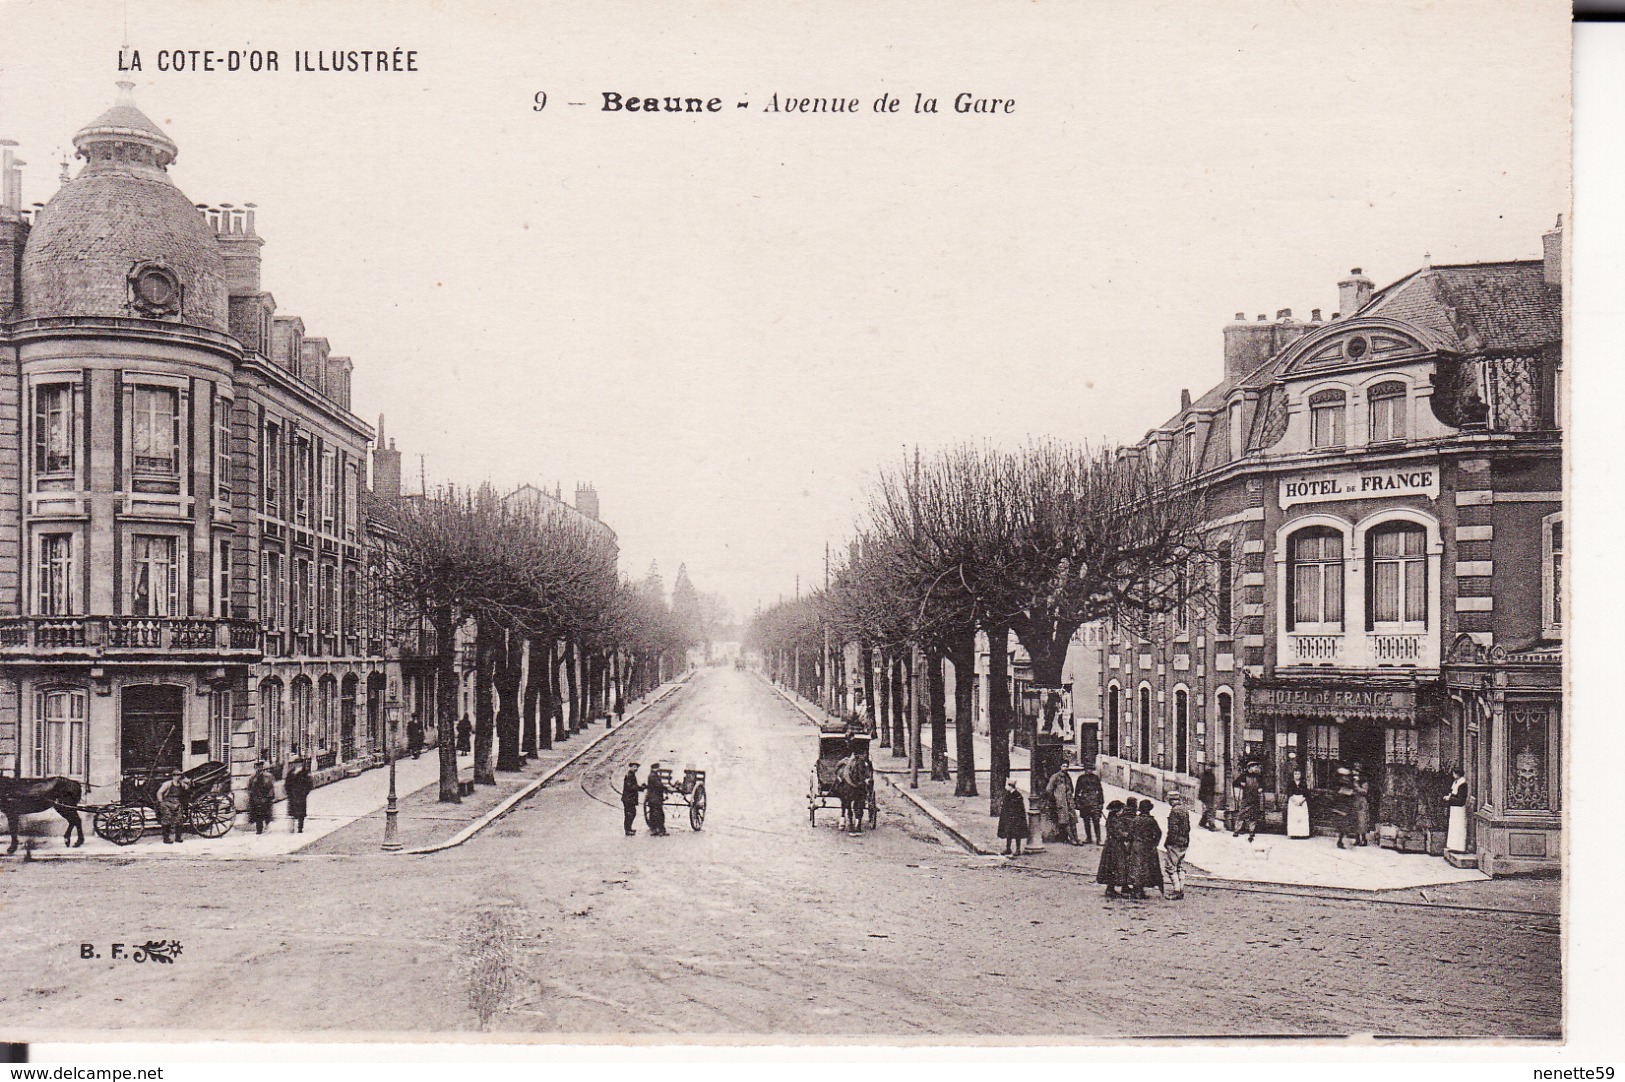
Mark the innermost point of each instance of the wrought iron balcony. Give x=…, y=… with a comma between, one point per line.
x=115, y=636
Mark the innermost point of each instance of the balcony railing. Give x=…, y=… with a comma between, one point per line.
x=97, y=635
x=1362, y=649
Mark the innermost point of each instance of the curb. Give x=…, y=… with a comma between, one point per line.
x=930, y=811
x=509, y=802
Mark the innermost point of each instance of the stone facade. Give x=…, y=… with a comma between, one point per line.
x=1384, y=503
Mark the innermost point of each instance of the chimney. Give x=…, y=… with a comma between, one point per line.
x=1354, y=292
x=1314, y=315
x=11, y=182
x=587, y=501
x=1551, y=246
x=1248, y=345
x=386, y=467
x=13, y=230
x=234, y=232
x=1184, y=399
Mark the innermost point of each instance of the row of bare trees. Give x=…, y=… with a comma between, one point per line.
x=557, y=637
x=976, y=540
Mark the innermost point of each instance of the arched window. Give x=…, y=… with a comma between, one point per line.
x=1114, y=707
x=1326, y=418
x=327, y=693
x=1145, y=724
x=1387, y=401
x=1314, y=579
x=347, y=705
x=1182, y=728
x=1224, y=602
x=1224, y=716
x=1396, y=577
x=272, y=735
x=301, y=734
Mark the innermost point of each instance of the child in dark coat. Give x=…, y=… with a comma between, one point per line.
x=1013, y=826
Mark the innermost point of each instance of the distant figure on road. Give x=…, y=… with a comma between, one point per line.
x=629, y=797
x=654, y=802
x=1013, y=826
x=297, y=785
x=1176, y=844
x=465, y=736
x=1090, y=798
x=261, y=796
x=1250, y=807
x=1114, y=853
x=414, y=737
x=1145, y=869
x=1207, y=792
x=1059, y=791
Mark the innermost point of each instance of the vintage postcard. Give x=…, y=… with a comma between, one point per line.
x=783, y=522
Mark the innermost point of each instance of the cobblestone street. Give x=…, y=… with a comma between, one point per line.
x=552, y=922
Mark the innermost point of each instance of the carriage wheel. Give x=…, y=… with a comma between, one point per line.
x=696, y=808
x=212, y=816
x=121, y=824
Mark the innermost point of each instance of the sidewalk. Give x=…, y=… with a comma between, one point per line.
x=1271, y=858
x=423, y=821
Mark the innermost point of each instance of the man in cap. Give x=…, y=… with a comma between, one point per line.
x=629, y=797
x=654, y=801
x=1176, y=843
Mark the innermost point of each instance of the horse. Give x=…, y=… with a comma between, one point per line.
x=852, y=786
x=30, y=796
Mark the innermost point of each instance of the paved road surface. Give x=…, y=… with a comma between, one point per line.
x=553, y=922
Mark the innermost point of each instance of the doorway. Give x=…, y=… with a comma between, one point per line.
x=150, y=719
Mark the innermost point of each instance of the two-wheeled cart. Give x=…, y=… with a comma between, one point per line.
x=688, y=793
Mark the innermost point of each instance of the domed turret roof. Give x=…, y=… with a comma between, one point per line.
x=119, y=219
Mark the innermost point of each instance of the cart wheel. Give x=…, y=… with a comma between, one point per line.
x=212, y=816
x=120, y=824
x=696, y=808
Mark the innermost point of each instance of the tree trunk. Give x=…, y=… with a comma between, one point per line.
x=510, y=673
x=486, y=640
x=937, y=699
x=998, y=714
x=573, y=678
x=445, y=673
x=899, y=708
x=1046, y=643
x=866, y=659
x=556, y=687
x=537, y=735
x=883, y=693
x=963, y=657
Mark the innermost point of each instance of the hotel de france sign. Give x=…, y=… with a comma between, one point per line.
x=1359, y=485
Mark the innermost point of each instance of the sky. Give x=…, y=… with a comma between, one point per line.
x=728, y=322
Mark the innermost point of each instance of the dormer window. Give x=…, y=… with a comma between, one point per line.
x=1387, y=411
x=1326, y=419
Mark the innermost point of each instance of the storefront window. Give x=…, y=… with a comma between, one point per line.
x=1322, y=751
x=1527, y=780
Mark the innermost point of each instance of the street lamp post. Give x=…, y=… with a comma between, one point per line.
x=392, y=718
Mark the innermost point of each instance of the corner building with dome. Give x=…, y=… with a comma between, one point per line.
x=184, y=534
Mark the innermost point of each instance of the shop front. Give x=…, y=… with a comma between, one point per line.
x=1311, y=727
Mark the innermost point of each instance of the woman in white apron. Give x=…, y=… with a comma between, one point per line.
x=1455, y=839
x=1297, y=807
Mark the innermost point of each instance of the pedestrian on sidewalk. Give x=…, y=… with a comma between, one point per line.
x=1455, y=838
x=1013, y=825
x=1207, y=792
x=629, y=797
x=261, y=796
x=1145, y=869
x=414, y=737
x=620, y=708
x=1343, y=808
x=1089, y=797
x=1060, y=802
x=173, y=796
x=654, y=802
x=1176, y=845
x=1114, y=854
x=297, y=785
x=1250, y=805
x=465, y=736
x=1360, y=806
x=1297, y=806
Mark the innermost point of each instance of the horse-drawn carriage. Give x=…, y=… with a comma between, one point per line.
x=688, y=793
x=843, y=777
x=207, y=800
